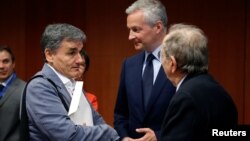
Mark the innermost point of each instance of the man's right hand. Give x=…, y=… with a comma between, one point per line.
x=127, y=139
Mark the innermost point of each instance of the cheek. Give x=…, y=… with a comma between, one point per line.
x=64, y=61
x=9, y=67
x=150, y=36
x=62, y=64
x=164, y=65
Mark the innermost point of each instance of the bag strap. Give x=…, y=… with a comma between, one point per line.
x=59, y=94
x=24, y=128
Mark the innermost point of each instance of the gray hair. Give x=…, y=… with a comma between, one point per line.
x=153, y=11
x=188, y=45
x=54, y=34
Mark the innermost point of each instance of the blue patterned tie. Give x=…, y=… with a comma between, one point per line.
x=147, y=79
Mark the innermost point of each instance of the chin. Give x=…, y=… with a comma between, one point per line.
x=138, y=48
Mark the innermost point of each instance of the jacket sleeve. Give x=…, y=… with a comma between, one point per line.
x=121, y=111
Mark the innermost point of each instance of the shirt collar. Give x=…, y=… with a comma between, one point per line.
x=156, y=53
x=9, y=79
x=179, y=84
x=64, y=79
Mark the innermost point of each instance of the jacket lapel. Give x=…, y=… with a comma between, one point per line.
x=48, y=72
x=138, y=81
x=159, y=83
x=11, y=90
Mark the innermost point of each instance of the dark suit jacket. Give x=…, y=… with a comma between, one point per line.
x=9, y=111
x=199, y=106
x=129, y=112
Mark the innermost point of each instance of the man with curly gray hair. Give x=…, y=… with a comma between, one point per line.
x=200, y=104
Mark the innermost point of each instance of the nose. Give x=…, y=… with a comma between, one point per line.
x=131, y=35
x=79, y=58
x=1, y=64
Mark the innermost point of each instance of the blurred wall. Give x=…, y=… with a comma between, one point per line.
x=225, y=22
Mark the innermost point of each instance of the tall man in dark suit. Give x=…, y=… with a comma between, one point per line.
x=11, y=88
x=139, y=112
x=47, y=103
x=200, y=103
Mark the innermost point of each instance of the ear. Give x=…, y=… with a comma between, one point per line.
x=13, y=64
x=173, y=64
x=159, y=26
x=48, y=55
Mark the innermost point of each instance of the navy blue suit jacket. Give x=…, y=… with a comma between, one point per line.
x=129, y=111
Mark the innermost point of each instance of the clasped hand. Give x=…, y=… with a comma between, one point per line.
x=149, y=135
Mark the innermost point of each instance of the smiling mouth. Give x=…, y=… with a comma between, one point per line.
x=3, y=72
x=76, y=68
x=136, y=43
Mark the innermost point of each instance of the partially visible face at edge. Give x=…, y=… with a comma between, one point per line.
x=167, y=65
x=6, y=65
x=82, y=70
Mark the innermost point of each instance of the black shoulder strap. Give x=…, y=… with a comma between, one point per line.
x=59, y=94
x=24, y=129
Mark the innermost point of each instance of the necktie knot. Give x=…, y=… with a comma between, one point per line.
x=1, y=87
x=150, y=58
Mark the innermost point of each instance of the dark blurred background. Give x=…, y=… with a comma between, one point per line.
x=225, y=22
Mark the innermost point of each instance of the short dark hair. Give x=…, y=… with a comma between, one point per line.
x=8, y=49
x=54, y=34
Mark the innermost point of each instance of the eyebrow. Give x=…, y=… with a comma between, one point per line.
x=73, y=49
